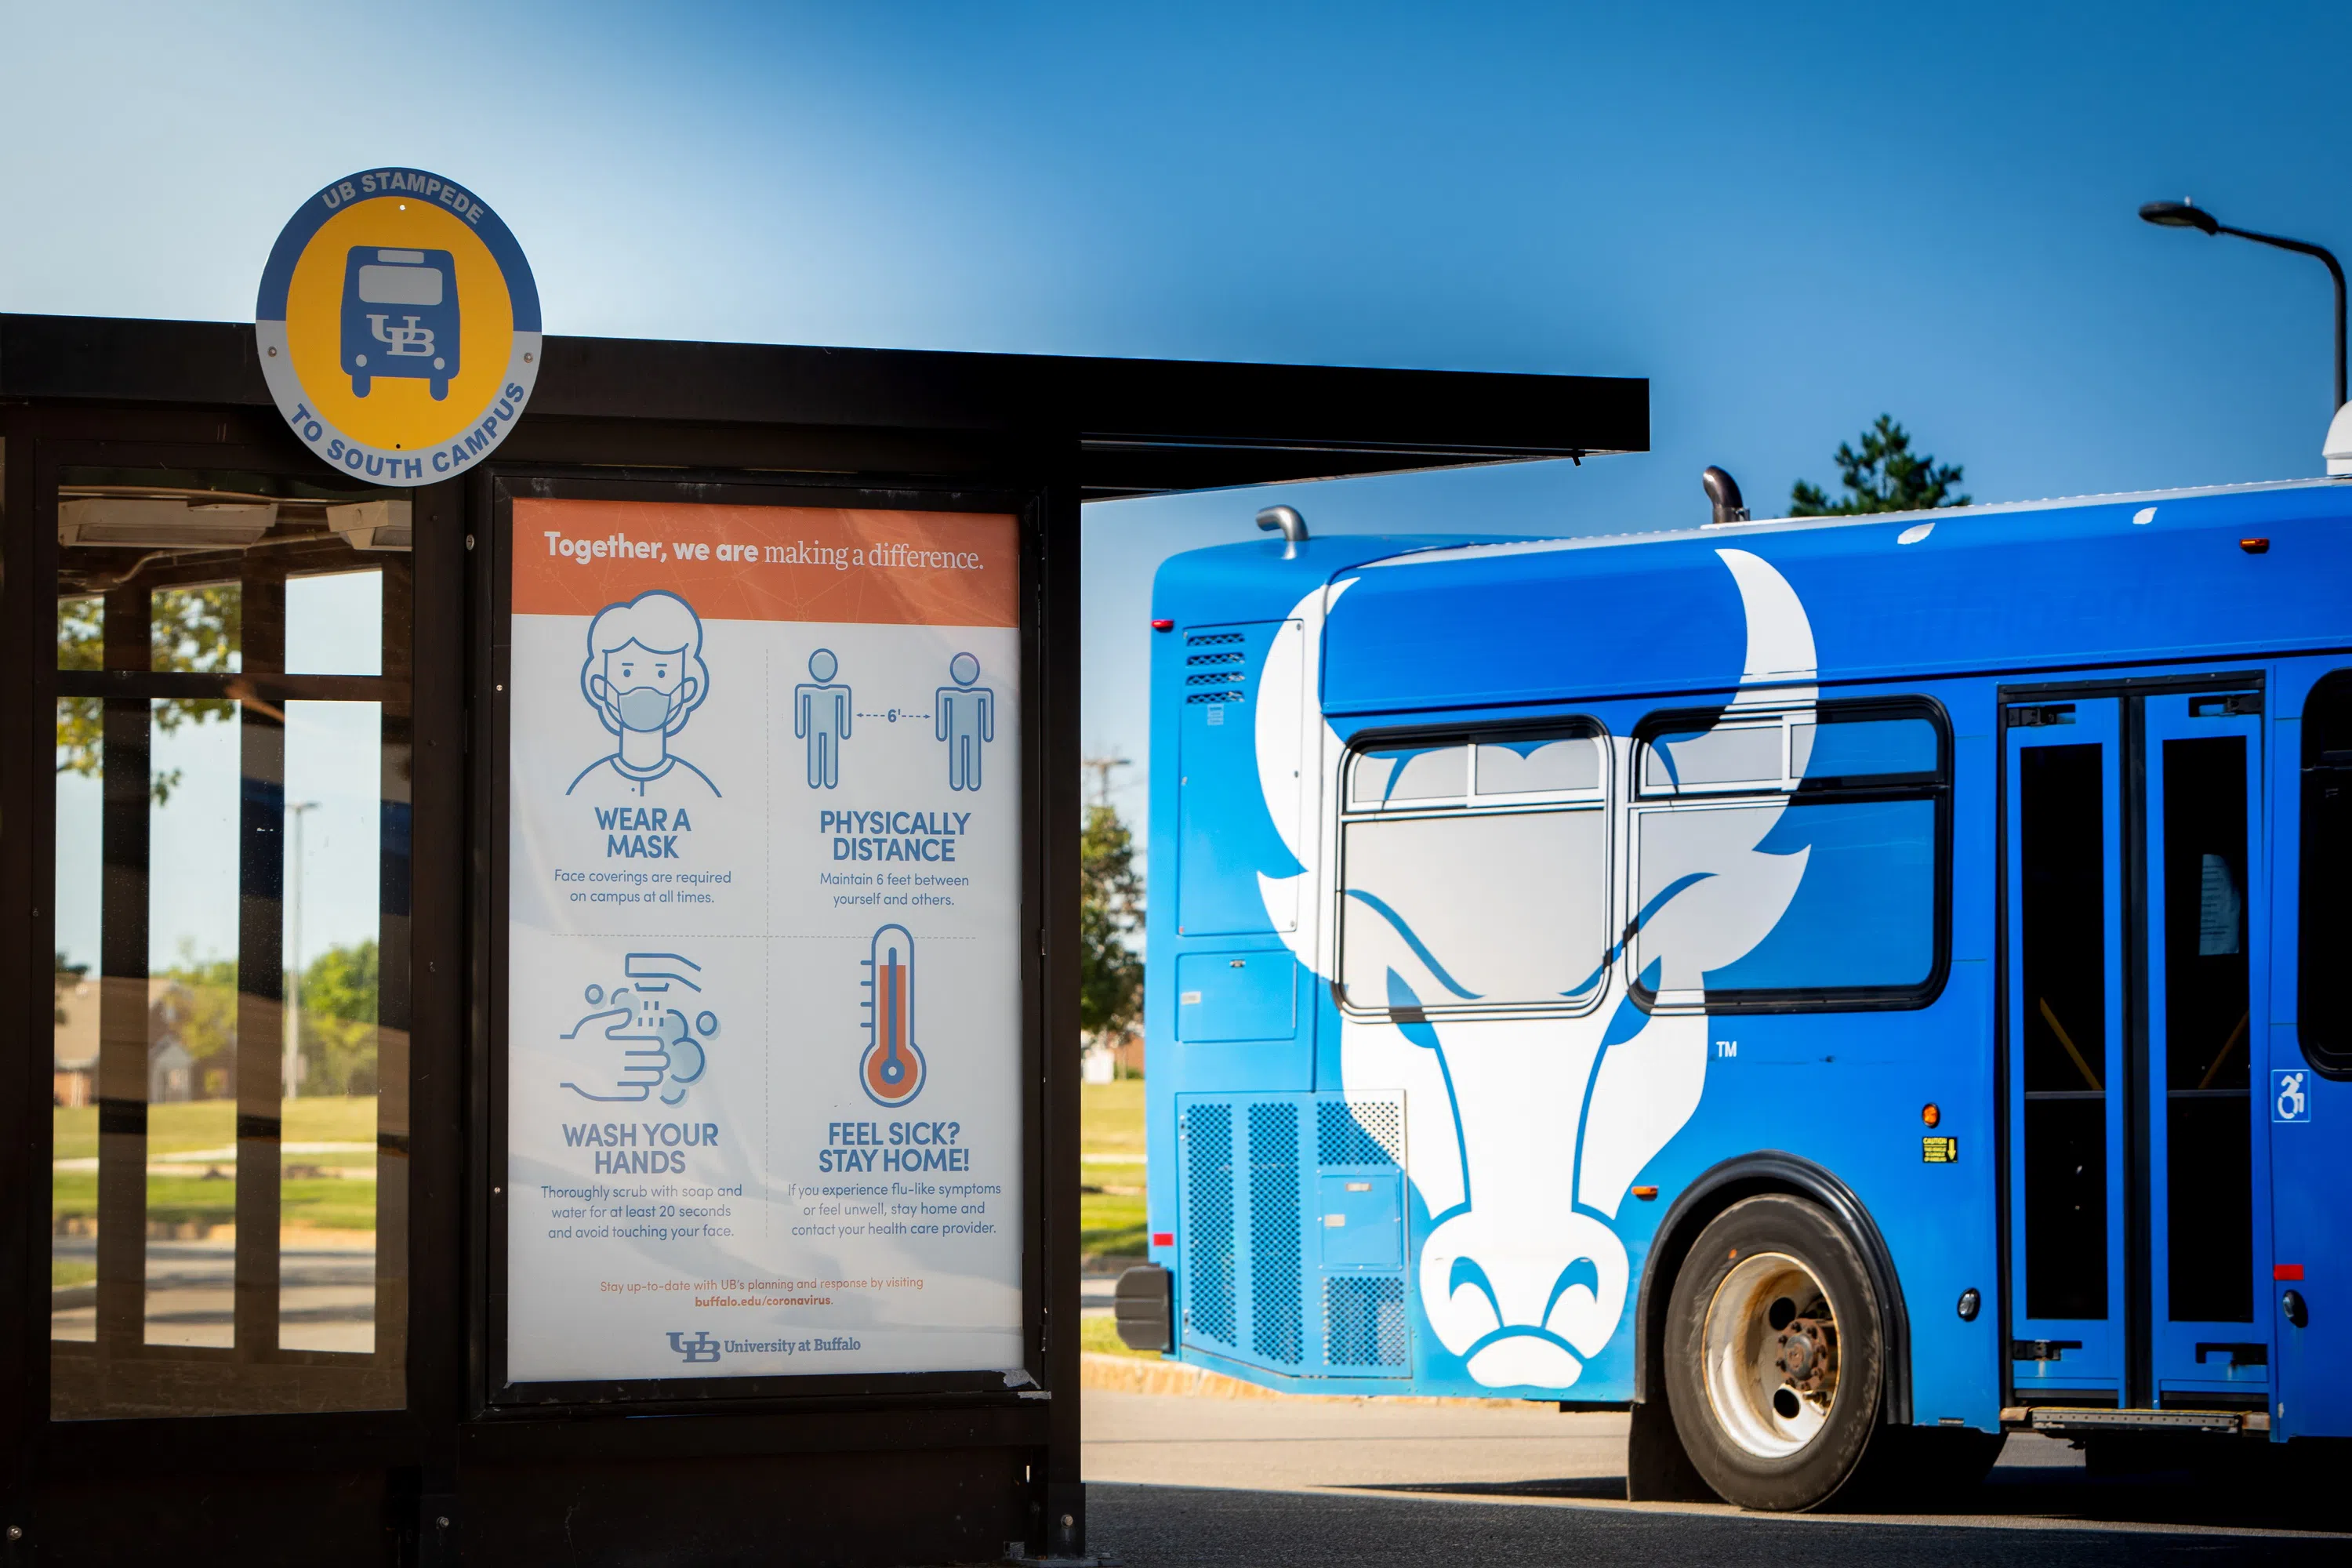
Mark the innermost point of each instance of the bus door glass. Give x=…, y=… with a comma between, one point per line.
x=2066, y=1045
x=2205, y=1034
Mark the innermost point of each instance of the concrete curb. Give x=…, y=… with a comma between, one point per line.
x=1136, y=1374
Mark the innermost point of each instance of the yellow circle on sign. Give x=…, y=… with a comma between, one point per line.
x=399, y=412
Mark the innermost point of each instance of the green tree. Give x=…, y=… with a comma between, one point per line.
x=1110, y=911
x=1884, y=476
x=197, y=630
x=198, y=1007
x=340, y=991
x=68, y=975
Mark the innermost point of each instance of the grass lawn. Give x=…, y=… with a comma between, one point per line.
x=1110, y=1197
x=328, y=1203
x=65, y=1271
x=1110, y=1224
x=212, y=1125
x=1101, y=1335
x=1110, y=1117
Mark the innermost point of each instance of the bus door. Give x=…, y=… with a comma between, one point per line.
x=2066, y=1070
x=2207, y=1139
x=2137, y=1160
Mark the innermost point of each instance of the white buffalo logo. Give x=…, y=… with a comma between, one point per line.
x=1524, y=1136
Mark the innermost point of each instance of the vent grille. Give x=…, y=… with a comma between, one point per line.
x=1216, y=678
x=1203, y=658
x=1363, y=1321
x=1358, y=1132
x=1226, y=696
x=1262, y=1284
x=1209, y=1233
x=1213, y=639
x=1277, y=1321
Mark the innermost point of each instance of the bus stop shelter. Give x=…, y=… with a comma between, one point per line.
x=281, y=1189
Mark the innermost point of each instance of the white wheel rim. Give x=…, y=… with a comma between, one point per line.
x=1771, y=1356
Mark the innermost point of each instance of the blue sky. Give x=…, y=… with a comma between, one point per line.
x=1788, y=218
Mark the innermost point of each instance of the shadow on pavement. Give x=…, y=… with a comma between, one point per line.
x=1175, y=1526
x=2021, y=1492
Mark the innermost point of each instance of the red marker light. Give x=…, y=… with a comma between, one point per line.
x=2286, y=1270
x=1167, y=1238
x=2255, y=546
x=1163, y=626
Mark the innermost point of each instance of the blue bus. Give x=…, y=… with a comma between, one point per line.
x=1840, y=988
x=400, y=317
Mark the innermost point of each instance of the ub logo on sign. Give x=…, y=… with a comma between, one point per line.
x=701, y=1348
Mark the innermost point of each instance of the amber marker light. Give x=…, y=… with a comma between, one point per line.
x=1646, y=1195
x=1932, y=1116
x=2255, y=546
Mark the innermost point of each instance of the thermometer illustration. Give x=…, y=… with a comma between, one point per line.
x=892, y=1068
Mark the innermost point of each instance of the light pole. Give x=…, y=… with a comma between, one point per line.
x=2188, y=214
x=291, y=1069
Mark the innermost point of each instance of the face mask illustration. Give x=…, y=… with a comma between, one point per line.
x=644, y=708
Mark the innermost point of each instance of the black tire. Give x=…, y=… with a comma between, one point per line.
x=1775, y=1451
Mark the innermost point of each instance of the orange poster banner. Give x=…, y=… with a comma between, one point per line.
x=834, y=564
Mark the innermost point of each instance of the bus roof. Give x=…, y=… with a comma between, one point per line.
x=1430, y=624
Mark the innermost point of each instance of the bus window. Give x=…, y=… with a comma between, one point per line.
x=1475, y=874
x=2324, y=1019
x=1733, y=756
x=1862, y=801
x=1402, y=774
x=1538, y=767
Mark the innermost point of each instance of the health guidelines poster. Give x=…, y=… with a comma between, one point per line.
x=763, y=965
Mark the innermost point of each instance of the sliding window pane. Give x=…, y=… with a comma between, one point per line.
x=326, y=1227
x=334, y=624
x=230, y=1050
x=73, y=1055
x=192, y=1023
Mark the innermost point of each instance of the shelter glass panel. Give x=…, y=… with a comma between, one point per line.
x=229, y=1054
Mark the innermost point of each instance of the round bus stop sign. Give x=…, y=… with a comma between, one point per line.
x=398, y=326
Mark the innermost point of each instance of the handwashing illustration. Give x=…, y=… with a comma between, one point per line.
x=660, y=1047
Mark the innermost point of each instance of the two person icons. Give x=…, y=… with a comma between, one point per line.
x=963, y=714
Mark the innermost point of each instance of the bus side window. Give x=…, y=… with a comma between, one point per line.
x=1474, y=874
x=1793, y=858
x=2324, y=1019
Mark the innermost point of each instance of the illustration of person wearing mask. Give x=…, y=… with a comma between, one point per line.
x=645, y=678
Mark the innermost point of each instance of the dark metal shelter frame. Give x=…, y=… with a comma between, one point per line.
x=421, y=1451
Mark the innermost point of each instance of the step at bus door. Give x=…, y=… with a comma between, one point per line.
x=2066, y=1043
x=2207, y=1131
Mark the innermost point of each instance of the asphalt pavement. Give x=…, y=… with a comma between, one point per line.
x=326, y=1291
x=1184, y=1481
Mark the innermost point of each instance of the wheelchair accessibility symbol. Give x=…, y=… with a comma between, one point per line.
x=2291, y=1094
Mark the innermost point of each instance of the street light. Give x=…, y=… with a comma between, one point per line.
x=2188, y=214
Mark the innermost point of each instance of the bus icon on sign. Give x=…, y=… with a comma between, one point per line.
x=400, y=317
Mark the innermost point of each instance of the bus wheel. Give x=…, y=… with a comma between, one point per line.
x=1773, y=1358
